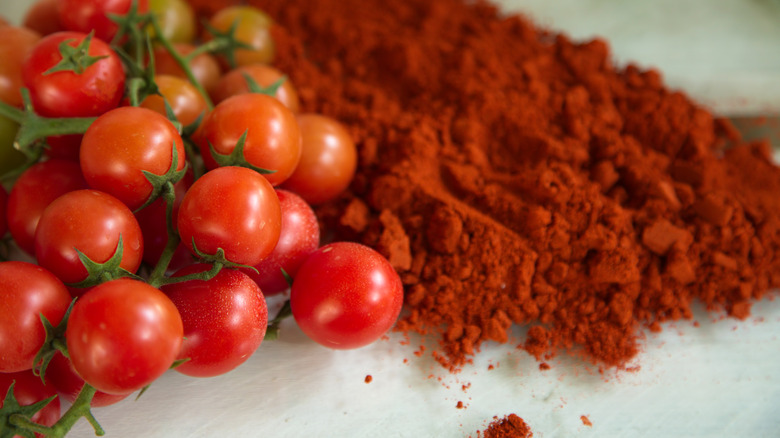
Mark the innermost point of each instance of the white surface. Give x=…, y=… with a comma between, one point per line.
x=717, y=380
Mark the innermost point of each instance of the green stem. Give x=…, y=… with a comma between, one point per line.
x=182, y=62
x=11, y=112
x=156, y=278
x=80, y=408
x=203, y=276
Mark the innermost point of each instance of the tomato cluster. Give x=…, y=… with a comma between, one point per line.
x=157, y=186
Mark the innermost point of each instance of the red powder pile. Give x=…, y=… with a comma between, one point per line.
x=511, y=426
x=514, y=176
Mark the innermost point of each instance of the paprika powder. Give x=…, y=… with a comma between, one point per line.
x=514, y=176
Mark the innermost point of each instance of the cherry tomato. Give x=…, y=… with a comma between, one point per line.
x=90, y=221
x=224, y=319
x=27, y=292
x=299, y=237
x=87, y=15
x=234, y=83
x=123, y=143
x=94, y=91
x=122, y=335
x=154, y=227
x=273, y=141
x=328, y=160
x=3, y=209
x=15, y=44
x=28, y=390
x=346, y=295
x=64, y=378
x=176, y=18
x=253, y=27
x=205, y=67
x=34, y=190
x=185, y=101
x=65, y=147
x=233, y=208
x=43, y=17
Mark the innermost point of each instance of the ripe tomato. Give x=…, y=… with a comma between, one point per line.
x=233, y=208
x=299, y=237
x=27, y=292
x=273, y=140
x=87, y=15
x=122, y=335
x=43, y=17
x=346, y=295
x=35, y=189
x=28, y=390
x=90, y=221
x=15, y=43
x=176, y=18
x=253, y=27
x=123, y=143
x=204, y=67
x=96, y=90
x=328, y=160
x=224, y=319
x=185, y=101
x=234, y=82
x=63, y=377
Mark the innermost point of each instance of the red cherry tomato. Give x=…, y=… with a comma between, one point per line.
x=88, y=15
x=346, y=295
x=185, y=101
x=15, y=44
x=43, y=17
x=224, y=319
x=27, y=292
x=28, y=390
x=90, y=221
x=122, y=335
x=328, y=160
x=233, y=208
x=273, y=141
x=234, y=82
x=123, y=143
x=3, y=209
x=63, y=377
x=34, y=190
x=94, y=91
x=299, y=237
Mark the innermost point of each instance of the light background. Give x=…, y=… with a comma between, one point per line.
x=716, y=380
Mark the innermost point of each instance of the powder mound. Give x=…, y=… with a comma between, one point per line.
x=514, y=176
x=510, y=426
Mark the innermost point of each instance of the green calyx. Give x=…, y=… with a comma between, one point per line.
x=98, y=273
x=270, y=90
x=236, y=156
x=225, y=43
x=75, y=59
x=14, y=418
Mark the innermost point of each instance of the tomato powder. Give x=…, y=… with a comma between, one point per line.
x=514, y=176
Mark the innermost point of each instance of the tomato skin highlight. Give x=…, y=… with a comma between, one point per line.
x=92, y=222
x=233, y=208
x=124, y=142
x=27, y=292
x=122, y=335
x=346, y=295
x=28, y=390
x=96, y=90
x=298, y=238
x=33, y=191
x=225, y=320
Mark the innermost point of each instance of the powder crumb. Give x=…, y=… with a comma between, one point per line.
x=460, y=405
x=490, y=367
x=466, y=387
x=586, y=420
x=544, y=366
x=369, y=378
x=511, y=426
